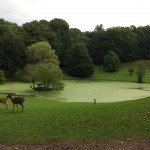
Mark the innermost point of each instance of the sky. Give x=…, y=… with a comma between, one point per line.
x=81, y=14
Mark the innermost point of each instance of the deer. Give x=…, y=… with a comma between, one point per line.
x=16, y=101
x=4, y=101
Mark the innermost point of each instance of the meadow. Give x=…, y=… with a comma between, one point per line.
x=47, y=118
x=44, y=120
x=121, y=75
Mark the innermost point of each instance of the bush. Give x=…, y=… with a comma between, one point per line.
x=131, y=70
x=2, y=76
x=140, y=73
x=111, y=62
x=79, y=62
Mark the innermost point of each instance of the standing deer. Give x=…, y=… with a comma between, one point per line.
x=4, y=101
x=16, y=101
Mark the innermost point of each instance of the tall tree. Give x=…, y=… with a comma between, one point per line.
x=111, y=62
x=12, y=48
x=43, y=67
x=34, y=32
x=61, y=28
x=98, y=46
x=140, y=72
x=41, y=52
x=79, y=62
x=2, y=76
x=124, y=43
x=143, y=36
x=76, y=36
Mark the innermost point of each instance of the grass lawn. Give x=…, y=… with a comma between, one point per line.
x=121, y=75
x=45, y=120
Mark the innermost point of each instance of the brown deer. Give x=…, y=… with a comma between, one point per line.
x=16, y=101
x=4, y=101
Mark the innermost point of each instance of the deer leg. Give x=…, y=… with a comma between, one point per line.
x=22, y=106
x=17, y=107
x=13, y=107
x=6, y=106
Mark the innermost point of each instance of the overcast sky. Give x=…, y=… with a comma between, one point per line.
x=81, y=14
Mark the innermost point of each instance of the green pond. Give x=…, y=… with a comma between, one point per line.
x=86, y=91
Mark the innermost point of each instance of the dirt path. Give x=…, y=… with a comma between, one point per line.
x=81, y=145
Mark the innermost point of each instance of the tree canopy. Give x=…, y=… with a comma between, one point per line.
x=12, y=48
x=79, y=62
x=43, y=69
x=111, y=61
x=41, y=52
x=128, y=43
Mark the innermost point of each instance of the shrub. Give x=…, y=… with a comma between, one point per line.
x=2, y=76
x=111, y=62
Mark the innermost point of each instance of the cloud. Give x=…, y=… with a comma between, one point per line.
x=14, y=10
x=81, y=14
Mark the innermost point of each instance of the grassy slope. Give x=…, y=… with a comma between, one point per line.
x=121, y=75
x=45, y=120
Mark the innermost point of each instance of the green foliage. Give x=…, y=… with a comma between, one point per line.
x=140, y=73
x=34, y=32
x=131, y=70
x=41, y=52
x=98, y=46
x=43, y=67
x=129, y=43
x=78, y=62
x=111, y=62
x=76, y=36
x=50, y=75
x=61, y=29
x=2, y=76
x=12, y=49
x=143, y=42
x=123, y=41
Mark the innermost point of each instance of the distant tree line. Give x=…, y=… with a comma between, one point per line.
x=77, y=51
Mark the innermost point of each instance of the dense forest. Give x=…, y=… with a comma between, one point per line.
x=75, y=49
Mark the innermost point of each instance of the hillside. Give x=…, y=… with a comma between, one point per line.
x=121, y=75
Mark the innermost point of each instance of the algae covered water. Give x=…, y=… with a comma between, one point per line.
x=102, y=91
x=86, y=91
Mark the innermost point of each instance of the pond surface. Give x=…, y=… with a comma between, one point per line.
x=102, y=91
x=86, y=91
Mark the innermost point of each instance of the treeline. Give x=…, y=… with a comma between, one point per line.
x=76, y=50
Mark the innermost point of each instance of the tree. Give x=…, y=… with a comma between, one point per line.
x=61, y=29
x=99, y=44
x=131, y=70
x=12, y=49
x=49, y=75
x=76, y=36
x=123, y=42
x=143, y=36
x=2, y=76
x=79, y=62
x=41, y=52
x=34, y=32
x=111, y=62
x=99, y=28
x=43, y=68
x=140, y=73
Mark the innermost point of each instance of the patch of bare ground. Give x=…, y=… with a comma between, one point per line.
x=82, y=145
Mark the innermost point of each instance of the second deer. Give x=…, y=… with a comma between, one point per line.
x=16, y=101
